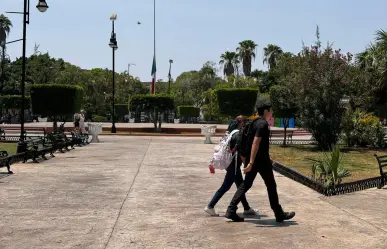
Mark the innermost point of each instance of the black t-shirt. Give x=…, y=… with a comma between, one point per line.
x=261, y=129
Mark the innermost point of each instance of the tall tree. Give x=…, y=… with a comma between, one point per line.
x=6, y=25
x=272, y=53
x=229, y=61
x=246, y=52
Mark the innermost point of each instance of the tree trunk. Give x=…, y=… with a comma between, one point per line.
x=155, y=118
x=286, y=123
x=55, y=126
x=161, y=116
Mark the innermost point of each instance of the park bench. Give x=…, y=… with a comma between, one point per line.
x=94, y=130
x=5, y=161
x=208, y=131
x=289, y=135
x=382, y=162
x=35, y=148
x=79, y=138
x=58, y=141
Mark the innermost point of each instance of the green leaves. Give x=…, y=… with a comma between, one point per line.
x=158, y=102
x=14, y=102
x=328, y=169
x=56, y=99
x=188, y=111
x=236, y=101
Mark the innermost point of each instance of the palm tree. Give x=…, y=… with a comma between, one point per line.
x=272, y=53
x=6, y=25
x=229, y=61
x=246, y=52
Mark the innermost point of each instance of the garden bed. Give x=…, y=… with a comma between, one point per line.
x=293, y=162
x=361, y=163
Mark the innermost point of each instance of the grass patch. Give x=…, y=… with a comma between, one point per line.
x=361, y=163
x=9, y=147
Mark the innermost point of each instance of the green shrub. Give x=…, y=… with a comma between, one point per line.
x=188, y=111
x=97, y=118
x=14, y=102
x=236, y=101
x=155, y=104
x=328, y=169
x=363, y=129
x=56, y=99
x=121, y=110
x=148, y=102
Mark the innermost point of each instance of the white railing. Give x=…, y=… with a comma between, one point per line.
x=94, y=130
x=208, y=132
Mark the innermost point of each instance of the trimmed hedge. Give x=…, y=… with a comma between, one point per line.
x=14, y=102
x=149, y=102
x=121, y=109
x=56, y=99
x=236, y=101
x=188, y=111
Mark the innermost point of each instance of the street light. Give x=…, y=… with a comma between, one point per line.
x=169, y=76
x=42, y=7
x=114, y=46
x=130, y=64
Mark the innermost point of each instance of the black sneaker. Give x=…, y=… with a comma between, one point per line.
x=234, y=217
x=284, y=216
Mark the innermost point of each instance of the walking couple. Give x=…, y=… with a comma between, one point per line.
x=252, y=145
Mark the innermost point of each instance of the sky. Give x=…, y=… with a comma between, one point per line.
x=190, y=32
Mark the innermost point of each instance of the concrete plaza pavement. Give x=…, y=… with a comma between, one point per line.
x=149, y=192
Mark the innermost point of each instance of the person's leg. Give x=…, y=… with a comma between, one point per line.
x=226, y=185
x=241, y=191
x=267, y=175
x=238, y=182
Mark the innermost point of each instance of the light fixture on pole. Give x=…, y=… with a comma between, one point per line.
x=42, y=7
x=114, y=46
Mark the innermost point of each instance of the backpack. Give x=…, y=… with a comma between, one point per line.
x=245, y=138
x=223, y=154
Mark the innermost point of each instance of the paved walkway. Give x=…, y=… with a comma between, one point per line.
x=128, y=125
x=148, y=192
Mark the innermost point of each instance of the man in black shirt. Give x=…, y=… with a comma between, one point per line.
x=258, y=161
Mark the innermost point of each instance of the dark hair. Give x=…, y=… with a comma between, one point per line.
x=235, y=123
x=261, y=109
x=263, y=103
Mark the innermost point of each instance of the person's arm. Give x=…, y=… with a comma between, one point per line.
x=254, y=149
x=255, y=146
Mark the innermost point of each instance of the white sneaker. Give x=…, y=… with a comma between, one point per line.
x=251, y=212
x=210, y=211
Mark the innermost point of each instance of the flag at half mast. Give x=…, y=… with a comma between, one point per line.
x=153, y=75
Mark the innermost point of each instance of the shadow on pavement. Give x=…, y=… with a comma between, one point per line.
x=270, y=223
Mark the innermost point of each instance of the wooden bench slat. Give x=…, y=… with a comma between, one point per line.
x=380, y=157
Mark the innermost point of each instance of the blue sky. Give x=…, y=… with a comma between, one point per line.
x=190, y=32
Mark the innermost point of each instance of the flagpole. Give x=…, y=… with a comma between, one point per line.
x=154, y=40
